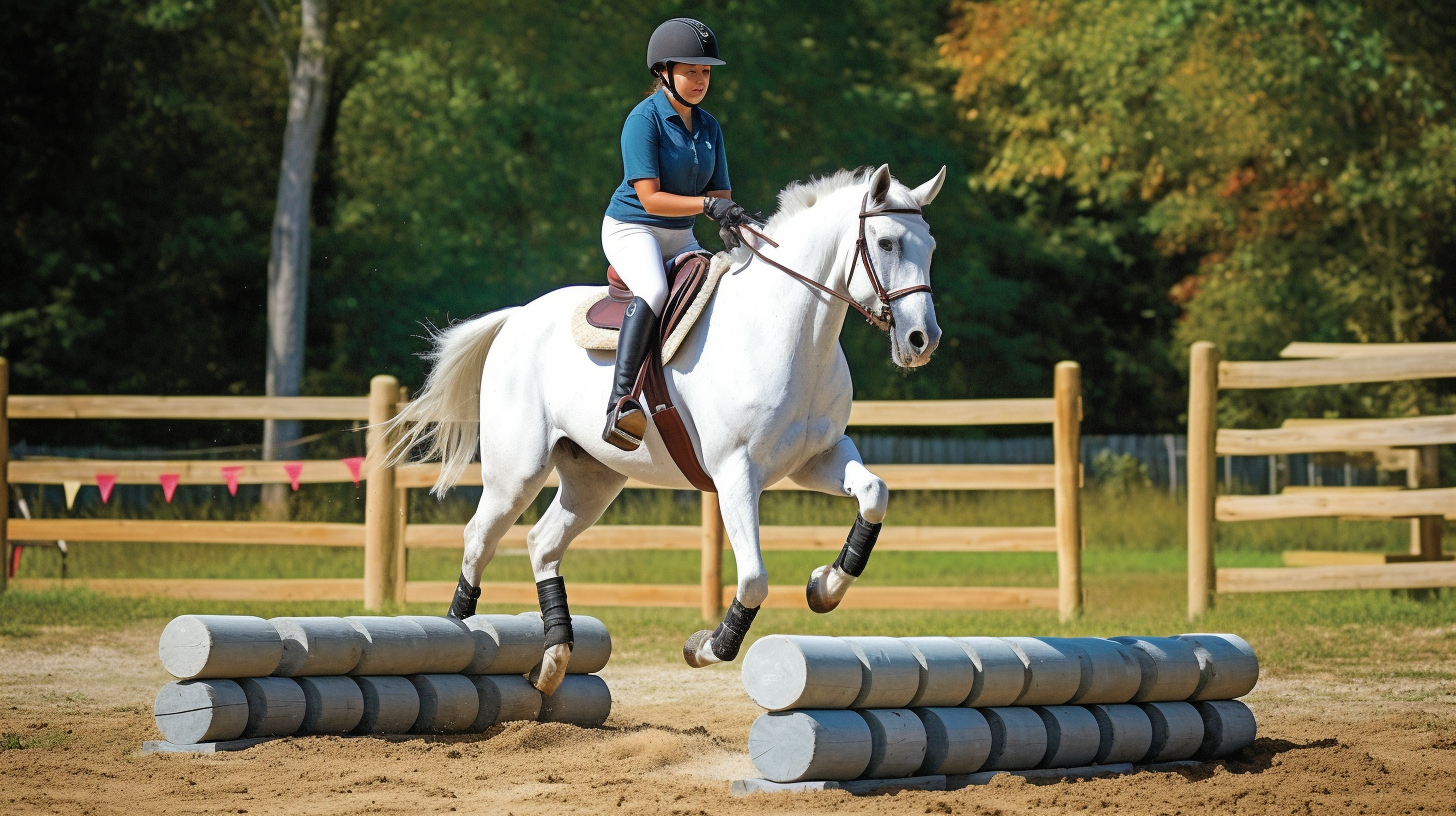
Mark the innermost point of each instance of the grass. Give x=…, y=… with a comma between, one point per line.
x=10, y=741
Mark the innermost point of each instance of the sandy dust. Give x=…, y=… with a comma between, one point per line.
x=81, y=702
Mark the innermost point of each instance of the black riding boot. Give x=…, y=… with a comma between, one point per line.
x=626, y=421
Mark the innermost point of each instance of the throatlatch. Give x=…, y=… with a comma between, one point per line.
x=463, y=606
x=728, y=637
x=554, y=614
x=857, y=548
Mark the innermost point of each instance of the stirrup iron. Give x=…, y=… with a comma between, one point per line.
x=626, y=425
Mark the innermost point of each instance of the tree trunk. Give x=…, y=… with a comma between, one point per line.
x=308, y=93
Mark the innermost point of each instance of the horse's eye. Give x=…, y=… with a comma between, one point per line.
x=886, y=245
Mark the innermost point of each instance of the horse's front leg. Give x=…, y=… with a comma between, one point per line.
x=738, y=502
x=839, y=471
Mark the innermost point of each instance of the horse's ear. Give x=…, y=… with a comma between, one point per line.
x=880, y=185
x=926, y=192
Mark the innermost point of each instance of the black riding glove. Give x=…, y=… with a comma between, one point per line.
x=729, y=216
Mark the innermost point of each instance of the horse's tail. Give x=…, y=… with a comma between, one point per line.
x=445, y=415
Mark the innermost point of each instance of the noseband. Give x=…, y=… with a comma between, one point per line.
x=884, y=320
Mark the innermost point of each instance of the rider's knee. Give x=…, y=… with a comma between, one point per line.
x=753, y=590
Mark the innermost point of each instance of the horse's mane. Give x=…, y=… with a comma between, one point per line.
x=801, y=195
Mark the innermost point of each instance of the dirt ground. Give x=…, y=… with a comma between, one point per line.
x=80, y=704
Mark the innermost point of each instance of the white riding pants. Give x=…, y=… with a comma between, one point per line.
x=640, y=252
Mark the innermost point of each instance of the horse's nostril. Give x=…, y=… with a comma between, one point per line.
x=917, y=341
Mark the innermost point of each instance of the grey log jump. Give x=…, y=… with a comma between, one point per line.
x=1226, y=664
x=367, y=675
x=889, y=673
x=449, y=703
x=1125, y=733
x=191, y=711
x=1072, y=736
x=582, y=699
x=1000, y=675
x=1086, y=720
x=221, y=646
x=897, y=743
x=317, y=646
x=391, y=705
x=957, y=740
x=276, y=706
x=1170, y=668
x=946, y=672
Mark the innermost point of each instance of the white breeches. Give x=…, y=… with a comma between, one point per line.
x=639, y=252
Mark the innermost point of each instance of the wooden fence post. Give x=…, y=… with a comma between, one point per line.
x=1426, y=530
x=1202, y=435
x=401, y=505
x=380, y=545
x=1067, y=454
x=4, y=472
x=712, y=563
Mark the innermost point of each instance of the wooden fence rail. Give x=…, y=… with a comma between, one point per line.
x=1412, y=440
x=386, y=536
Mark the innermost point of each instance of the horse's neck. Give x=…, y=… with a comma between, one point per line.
x=790, y=311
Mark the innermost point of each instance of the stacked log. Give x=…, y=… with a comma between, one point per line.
x=245, y=678
x=850, y=708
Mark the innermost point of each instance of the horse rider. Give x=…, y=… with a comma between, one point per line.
x=675, y=167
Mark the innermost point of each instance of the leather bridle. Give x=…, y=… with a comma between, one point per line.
x=884, y=320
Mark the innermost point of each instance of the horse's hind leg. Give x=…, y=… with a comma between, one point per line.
x=839, y=471
x=587, y=487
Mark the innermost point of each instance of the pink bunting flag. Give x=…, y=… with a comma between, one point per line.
x=169, y=485
x=105, y=481
x=354, y=464
x=294, y=470
x=230, y=473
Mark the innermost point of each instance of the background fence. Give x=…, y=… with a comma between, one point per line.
x=1407, y=443
x=386, y=535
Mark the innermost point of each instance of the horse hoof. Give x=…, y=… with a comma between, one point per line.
x=819, y=600
x=548, y=674
x=695, y=653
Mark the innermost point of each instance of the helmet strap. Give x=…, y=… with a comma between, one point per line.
x=671, y=86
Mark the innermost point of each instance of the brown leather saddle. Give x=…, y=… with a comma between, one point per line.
x=686, y=276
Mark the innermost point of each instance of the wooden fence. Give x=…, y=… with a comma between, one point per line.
x=386, y=534
x=1408, y=443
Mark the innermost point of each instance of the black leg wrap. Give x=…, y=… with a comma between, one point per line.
x=857, y=548
x=463, y=606
x=554, y=614
x=728, y=637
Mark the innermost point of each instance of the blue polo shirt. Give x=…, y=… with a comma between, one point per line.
x=657, y=144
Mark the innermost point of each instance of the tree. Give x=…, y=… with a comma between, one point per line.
x=288, y=257
x=1286, y=158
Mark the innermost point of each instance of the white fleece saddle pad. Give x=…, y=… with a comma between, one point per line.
x=592, y=338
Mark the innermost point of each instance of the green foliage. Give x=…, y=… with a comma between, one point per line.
x=1291, y=160
x=1119, y=474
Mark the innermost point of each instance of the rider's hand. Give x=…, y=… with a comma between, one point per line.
x=729, y=215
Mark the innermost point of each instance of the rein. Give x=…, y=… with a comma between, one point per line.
x=885, y=319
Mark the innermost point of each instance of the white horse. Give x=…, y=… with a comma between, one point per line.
x=761, y=380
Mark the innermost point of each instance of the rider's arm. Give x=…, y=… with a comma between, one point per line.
x=656, y=202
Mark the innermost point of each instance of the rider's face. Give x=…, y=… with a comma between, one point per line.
x=691, y=81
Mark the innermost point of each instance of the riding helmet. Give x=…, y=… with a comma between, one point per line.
x=685, y=40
